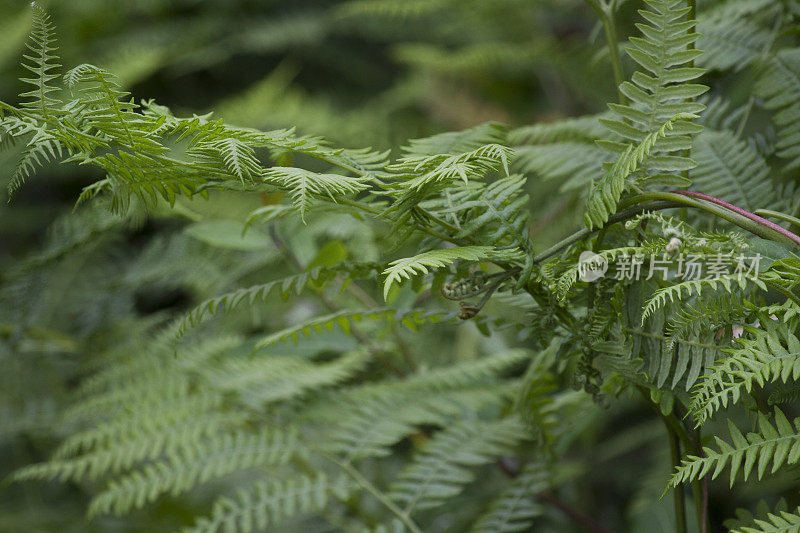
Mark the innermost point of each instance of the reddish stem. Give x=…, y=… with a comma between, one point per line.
x=747, y=214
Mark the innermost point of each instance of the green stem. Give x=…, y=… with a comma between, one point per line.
x=744, y=222
x=777, y=214
x=677, y=493
x=606, y=14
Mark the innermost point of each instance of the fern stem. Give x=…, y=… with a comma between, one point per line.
x=776, y=214
x=677, y=494
x=606, y=14
x=736, y=215
x=372, y=489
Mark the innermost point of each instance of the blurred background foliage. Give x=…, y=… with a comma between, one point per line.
x=361, y=73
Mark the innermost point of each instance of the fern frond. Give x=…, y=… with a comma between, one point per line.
x=304, y=186
x=269, y=503
x=43, y=45
x=442, y=468
x=534, y=404
x=402, y=269
x=778, y=521
x=568, y=279
x=195, y=464
x=42, y=148
x=410, y=319
x=260, y=381
x=779, y=85
x=770, y=354
x=371, y=418
x=496, y=210
x=288, y=286
x=431, y=169
x=730, y=33
x=778, y=443
x=675, y=293
x=657, y=93
x=516, y=507
x=705, y=315
x=606, y=192
x=457, y=142
x=732, y=169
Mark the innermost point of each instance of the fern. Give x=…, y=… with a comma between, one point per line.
x=442, y=467
x=778, y=443
x=343, y=319
x=770, y=355
x=780, y=88
x=43, y=45
x=401, y=269
x=659, y=95
x=515, y=508
x=606, y=192
x=675, y=293
x=269, y=503
x=196, y=464
x=733, y=170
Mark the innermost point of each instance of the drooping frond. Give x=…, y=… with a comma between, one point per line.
x=457, y=142
x=42, y=148
x=442, y=468
x=445, y=168
x=343, y=319
x=777, y=442
x=305, y=186
x=286, y=287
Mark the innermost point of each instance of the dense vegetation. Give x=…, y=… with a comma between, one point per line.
x=574, y=310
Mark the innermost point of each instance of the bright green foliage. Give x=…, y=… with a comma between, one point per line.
x=145, y=343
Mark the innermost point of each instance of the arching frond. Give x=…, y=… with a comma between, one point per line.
x=402, y=269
